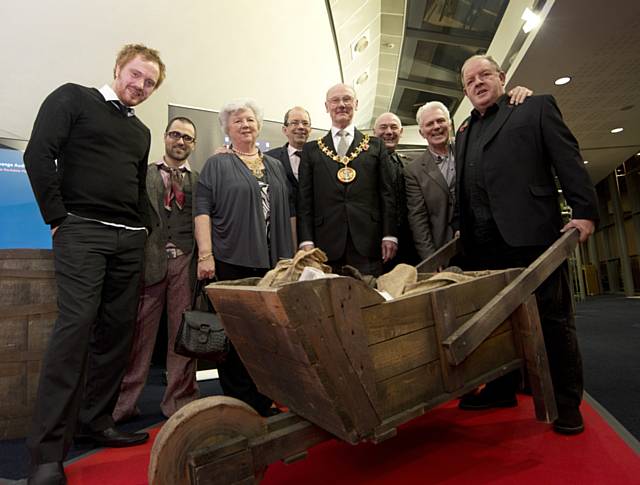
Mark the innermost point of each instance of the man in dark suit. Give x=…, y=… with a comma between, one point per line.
x=506, y=159
x=346, y=201
x=430, y=182
x=297, y=128
x=388, y=128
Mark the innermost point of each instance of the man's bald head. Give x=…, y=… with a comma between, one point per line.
x=388, y=127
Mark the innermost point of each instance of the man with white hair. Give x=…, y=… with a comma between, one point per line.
x=430, y=182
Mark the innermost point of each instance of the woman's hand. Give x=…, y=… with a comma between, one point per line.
x=206, y=268
x=518, y=95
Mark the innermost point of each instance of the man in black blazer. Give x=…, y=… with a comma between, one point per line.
x=388, y=128
x=506, y=159
x=346, y=201
x=297, y=128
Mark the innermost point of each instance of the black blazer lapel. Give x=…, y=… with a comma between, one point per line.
x=501, y=117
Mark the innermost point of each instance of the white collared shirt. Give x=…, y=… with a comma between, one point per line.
x=294, y=160
x=110, y=95
x=351, y=129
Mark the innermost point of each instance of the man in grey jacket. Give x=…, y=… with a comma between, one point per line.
x=168, y=274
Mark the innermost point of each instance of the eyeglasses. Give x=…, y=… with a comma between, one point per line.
x=176, y=135
x=345, y=100
x=306, y=124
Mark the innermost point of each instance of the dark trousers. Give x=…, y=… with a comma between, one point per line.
x=557, y=317
x=98, y=276
x=234, y=378
x=351, y=257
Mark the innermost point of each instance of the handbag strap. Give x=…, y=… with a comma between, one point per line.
x=199, y=290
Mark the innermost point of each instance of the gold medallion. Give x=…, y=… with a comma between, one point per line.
x=346, y=175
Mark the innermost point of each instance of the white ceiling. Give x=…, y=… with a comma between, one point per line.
x=282, y=53
x=598, y=45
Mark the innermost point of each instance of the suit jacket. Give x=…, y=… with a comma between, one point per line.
x=155, y=257
x=282, y=155
x=430, y=205
x=521, y=150
x=328, y=209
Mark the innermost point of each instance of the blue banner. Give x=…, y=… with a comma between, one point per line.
x=21, y=225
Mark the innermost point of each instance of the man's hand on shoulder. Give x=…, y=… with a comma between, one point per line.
x=585, y=227
x=518, y=95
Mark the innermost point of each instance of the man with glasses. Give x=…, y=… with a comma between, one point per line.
x=87, y=163
x=346, y=200
x=297, y=128
x=168, y=274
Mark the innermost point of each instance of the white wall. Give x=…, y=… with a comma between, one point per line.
x=280, y=52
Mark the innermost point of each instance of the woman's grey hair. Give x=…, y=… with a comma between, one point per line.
x=238, y=105
x=432, y=105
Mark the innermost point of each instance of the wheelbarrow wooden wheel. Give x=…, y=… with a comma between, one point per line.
x=199, y=424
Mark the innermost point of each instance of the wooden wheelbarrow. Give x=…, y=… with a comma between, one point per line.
x=349, y=364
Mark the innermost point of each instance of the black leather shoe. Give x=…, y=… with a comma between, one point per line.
x=569, y=421
x=112, y=438
x=48, y=474
x=487, y=400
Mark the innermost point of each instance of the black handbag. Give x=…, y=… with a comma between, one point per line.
x=201, y=334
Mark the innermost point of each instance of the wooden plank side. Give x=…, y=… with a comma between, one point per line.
x=351, y=330
x=410, y=389
x=494, y=353
x=312, y=315
x=301, y=388
x=444, y=313
x=468, y=337
x=398, y=317
x=243, y=328
x=472, y=296
x=528, y=331
x=402, y=354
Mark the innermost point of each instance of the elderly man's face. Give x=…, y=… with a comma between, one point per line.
x=483, y=83
x=434, y=127
x=389, y=129
x=298, y=128
x=341, y=105
x=136, y=80
x=176, y=148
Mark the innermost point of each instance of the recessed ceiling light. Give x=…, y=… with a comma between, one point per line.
x=617, y=130
x=531, y=20
x=362, y=78
x=586, y=161
x=562, y=80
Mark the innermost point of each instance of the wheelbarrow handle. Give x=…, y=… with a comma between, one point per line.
x=441, y=257
x=461, y=343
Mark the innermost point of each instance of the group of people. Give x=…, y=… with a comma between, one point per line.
x=116, y=221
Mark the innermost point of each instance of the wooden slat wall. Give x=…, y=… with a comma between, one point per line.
x=27, y=314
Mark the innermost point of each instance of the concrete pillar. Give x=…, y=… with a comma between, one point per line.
x=618, y=223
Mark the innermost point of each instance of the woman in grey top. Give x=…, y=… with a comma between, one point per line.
x=243, y=223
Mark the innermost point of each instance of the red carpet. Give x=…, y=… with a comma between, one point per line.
x=445, y=446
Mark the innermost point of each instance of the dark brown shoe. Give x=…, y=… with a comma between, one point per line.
x=112, y=438
x=569, y=421
x=48, y=474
